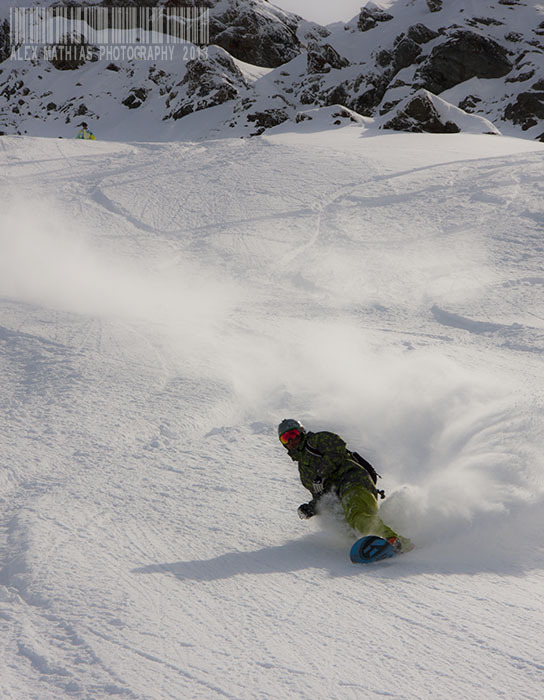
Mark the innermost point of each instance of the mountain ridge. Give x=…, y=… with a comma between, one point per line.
x=489, y=65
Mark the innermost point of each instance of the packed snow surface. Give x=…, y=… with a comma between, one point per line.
x=162, y=307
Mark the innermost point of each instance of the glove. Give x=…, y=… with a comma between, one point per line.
x=306, y=510
x=317, y=485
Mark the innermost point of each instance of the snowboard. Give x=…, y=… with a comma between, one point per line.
x=371, y=548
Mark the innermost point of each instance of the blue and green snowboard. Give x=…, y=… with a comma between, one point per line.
x=370, y=549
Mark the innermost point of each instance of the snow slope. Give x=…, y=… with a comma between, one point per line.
x=162, y=307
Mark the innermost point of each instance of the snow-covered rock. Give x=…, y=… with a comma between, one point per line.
x=370, y=15
x=425, y=112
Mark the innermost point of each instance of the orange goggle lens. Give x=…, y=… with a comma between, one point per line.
x=289, y=435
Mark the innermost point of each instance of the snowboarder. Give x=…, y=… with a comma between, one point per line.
x=85, y=132
x=326, y=465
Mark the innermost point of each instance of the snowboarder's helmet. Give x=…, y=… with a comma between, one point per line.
x=288, y=424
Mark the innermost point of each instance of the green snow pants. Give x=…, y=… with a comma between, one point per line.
x=361, y=510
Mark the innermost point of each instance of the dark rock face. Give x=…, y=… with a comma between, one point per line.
x=406, y=52
x=337, y=96
x=420, y=115
x=487, y=21
x=135, y=99
x=421, y=34
x=470, y=103
x=371, y=98
x=384, y=58
x=527, y=109
x=465, y=55
x=370, y=16
x=322, y=58
x=207, y=82
x=434, y=5
x=267, y=119
x=514, y=37
x=249, y=34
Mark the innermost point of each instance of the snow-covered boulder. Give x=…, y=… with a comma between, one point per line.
x=425, y=112
x=370, y=15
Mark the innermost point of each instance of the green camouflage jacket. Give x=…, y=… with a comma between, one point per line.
x=325, y=455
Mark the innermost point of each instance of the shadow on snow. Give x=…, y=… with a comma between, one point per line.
x=317, y=552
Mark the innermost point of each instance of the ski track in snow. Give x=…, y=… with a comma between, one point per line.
x=162, y=307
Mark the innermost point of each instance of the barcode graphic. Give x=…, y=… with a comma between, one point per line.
x=109, y=25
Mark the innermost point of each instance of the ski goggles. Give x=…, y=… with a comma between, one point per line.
x=289, y=435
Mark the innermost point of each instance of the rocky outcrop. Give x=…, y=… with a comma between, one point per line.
x=405, y=53
x=528, y=108
x=425, y=112
x=370, y=15
x=421, y=34
x=267, y=119
x=419, y=57
x=136, y=98
x=420, y=114
x=376, y=87
x=208, y=82
x=263, y=36
x=464, y=55
x=325, y=117
x=321, y=58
